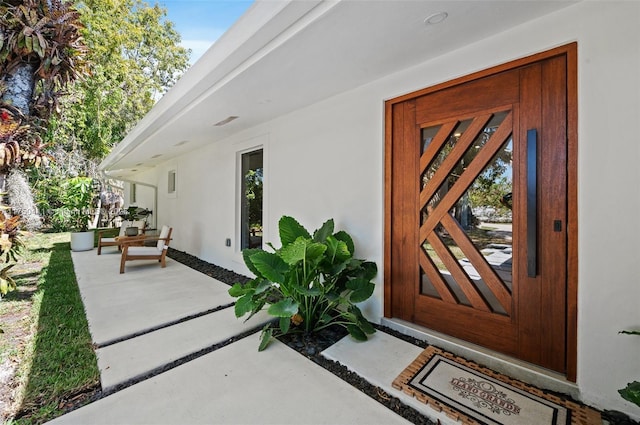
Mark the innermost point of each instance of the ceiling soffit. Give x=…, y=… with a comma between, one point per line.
x=281, y=56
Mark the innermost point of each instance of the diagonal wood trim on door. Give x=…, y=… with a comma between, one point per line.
x=427, y=251
x=466, y=179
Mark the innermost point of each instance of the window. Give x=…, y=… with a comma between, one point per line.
x=171, y=183
x=251, y=200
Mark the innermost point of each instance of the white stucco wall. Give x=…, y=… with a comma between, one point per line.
x=145, y=197
x=327, y=161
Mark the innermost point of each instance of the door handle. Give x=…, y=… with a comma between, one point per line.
x=532, y=202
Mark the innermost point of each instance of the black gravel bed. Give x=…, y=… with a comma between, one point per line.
x=220, y=273
x=617, y=418
x=311, y=346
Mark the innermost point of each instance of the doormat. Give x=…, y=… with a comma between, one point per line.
x=473, y=394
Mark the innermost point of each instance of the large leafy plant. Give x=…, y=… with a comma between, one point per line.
x=310, y=283
x=76, y=198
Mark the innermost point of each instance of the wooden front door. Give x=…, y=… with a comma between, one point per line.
x=477, y=204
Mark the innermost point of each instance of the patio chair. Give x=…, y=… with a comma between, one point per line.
x=102, y=241
x=157, y=252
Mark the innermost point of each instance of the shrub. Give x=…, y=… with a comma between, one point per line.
x=310, y=283
x=76, y=196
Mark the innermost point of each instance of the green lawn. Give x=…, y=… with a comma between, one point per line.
x=56, y=359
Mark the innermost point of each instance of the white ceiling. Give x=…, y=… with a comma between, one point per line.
x=284, y=55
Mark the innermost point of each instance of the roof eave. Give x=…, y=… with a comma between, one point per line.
x=252, y=31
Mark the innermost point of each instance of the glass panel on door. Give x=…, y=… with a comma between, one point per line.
x=483, y=213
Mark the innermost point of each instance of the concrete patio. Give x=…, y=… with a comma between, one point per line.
x=156, y=332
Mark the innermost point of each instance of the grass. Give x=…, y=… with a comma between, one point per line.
x=58, y=362
x=15, y=307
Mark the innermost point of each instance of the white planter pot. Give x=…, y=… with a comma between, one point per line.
x=82, y=241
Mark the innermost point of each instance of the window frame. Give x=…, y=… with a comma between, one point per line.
x=132, y=193
x=173, y=171
x=242, y=147
x=242, y=212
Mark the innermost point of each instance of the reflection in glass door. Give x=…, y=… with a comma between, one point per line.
x=467, y=246
x=251, y=200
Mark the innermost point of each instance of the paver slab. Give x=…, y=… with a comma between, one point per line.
x=138, y=356
x=118, y=305
x=383, y=359
x=238, y=385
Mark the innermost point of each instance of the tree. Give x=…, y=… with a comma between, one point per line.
x=134, y=57
x=41, y=52
x=492, y=193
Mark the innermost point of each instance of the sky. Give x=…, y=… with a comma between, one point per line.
x=201, y=22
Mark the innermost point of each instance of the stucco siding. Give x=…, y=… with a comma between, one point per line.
x=327, y=161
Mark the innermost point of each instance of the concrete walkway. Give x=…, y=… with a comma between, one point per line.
x=148, y=320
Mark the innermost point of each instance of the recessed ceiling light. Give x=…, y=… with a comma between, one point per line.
x=138, y=164
x=157, y=155
x=184, y=142
x=436, y=18
x=134, y=169
x=225, y=121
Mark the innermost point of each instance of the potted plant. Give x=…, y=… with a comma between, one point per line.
x=77, y=198
x=310, y=283
x=133, y=213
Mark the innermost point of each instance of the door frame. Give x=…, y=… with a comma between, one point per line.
x=570, y=51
